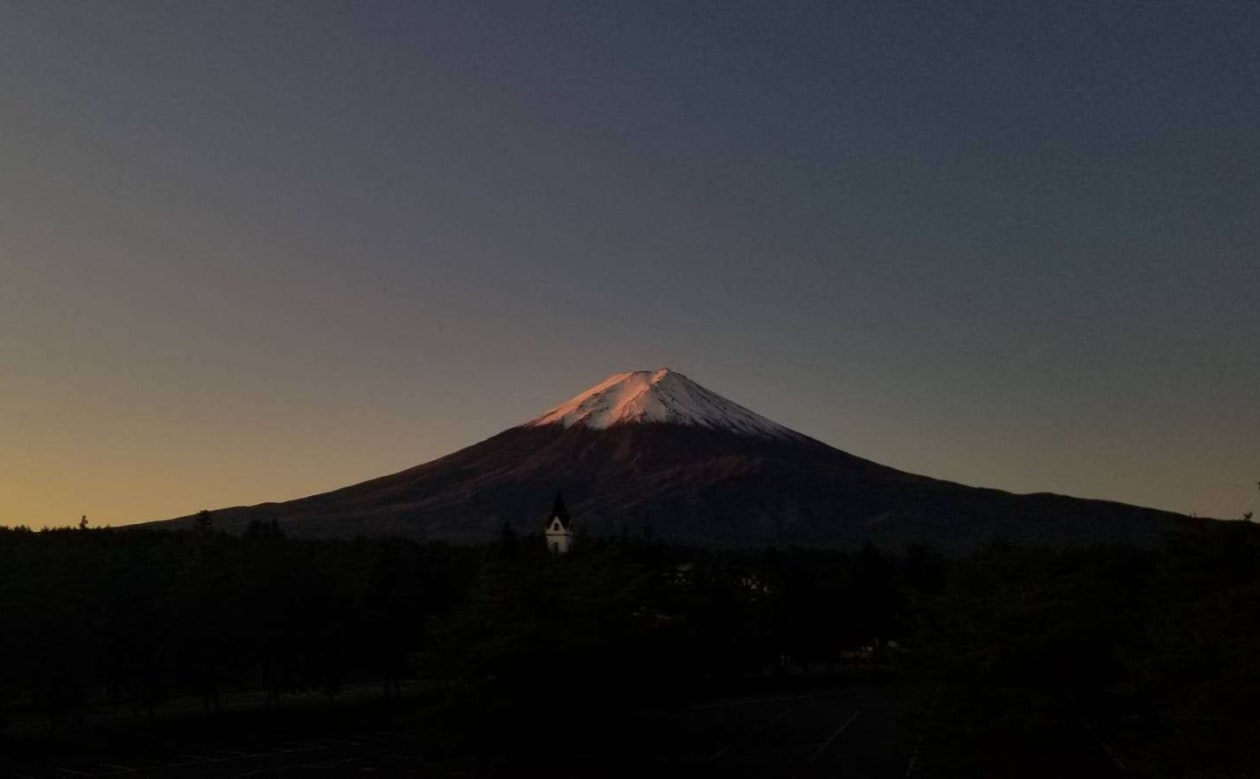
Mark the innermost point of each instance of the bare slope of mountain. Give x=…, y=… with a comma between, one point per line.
x=655, y=452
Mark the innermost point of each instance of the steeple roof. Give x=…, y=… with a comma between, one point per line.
x=559, y=511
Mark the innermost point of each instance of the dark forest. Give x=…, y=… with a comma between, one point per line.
x=1037, y=660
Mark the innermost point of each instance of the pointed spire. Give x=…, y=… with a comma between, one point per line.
x=559, y=510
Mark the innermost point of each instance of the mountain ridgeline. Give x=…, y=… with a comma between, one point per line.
x=654, y=453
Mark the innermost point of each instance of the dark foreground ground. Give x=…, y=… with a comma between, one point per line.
x=626, y=658
x=857, y=728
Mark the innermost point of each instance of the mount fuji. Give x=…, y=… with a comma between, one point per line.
x=653, y=451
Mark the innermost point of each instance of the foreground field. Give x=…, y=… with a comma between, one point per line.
x=805, y=728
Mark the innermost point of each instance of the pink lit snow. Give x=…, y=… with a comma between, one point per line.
x=661, y=396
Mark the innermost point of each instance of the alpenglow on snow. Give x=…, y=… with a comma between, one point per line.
x=661, y=396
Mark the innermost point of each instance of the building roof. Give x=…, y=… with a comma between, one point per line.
x=559, y=511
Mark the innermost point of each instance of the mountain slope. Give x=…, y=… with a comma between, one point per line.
x=654, y=450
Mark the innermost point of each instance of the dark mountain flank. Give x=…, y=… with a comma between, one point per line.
x=656, y=453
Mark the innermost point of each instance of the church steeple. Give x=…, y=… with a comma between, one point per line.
x=559, y=510
x=559, y=528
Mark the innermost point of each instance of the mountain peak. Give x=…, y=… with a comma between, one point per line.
x=659, y=396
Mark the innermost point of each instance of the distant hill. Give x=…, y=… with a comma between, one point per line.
x=654, y=452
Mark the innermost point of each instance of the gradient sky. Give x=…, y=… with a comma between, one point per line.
x=250, y=251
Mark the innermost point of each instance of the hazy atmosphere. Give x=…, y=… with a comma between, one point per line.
x=252, y=251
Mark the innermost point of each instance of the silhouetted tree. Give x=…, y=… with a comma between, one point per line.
x=203, y=522
x=508, y=541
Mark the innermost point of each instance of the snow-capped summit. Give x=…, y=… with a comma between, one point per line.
x=660, y=396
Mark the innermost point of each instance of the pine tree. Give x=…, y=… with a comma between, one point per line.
x=203, y=523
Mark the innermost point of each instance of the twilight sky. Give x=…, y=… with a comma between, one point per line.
x=255, y=250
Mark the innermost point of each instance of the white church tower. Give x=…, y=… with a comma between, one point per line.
x=559, y=530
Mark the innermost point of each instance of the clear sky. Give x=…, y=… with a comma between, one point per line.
x=255, y=250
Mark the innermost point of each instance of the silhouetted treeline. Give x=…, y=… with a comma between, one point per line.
x=1150, y=658
x=1149, y=655
x=88, y=616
